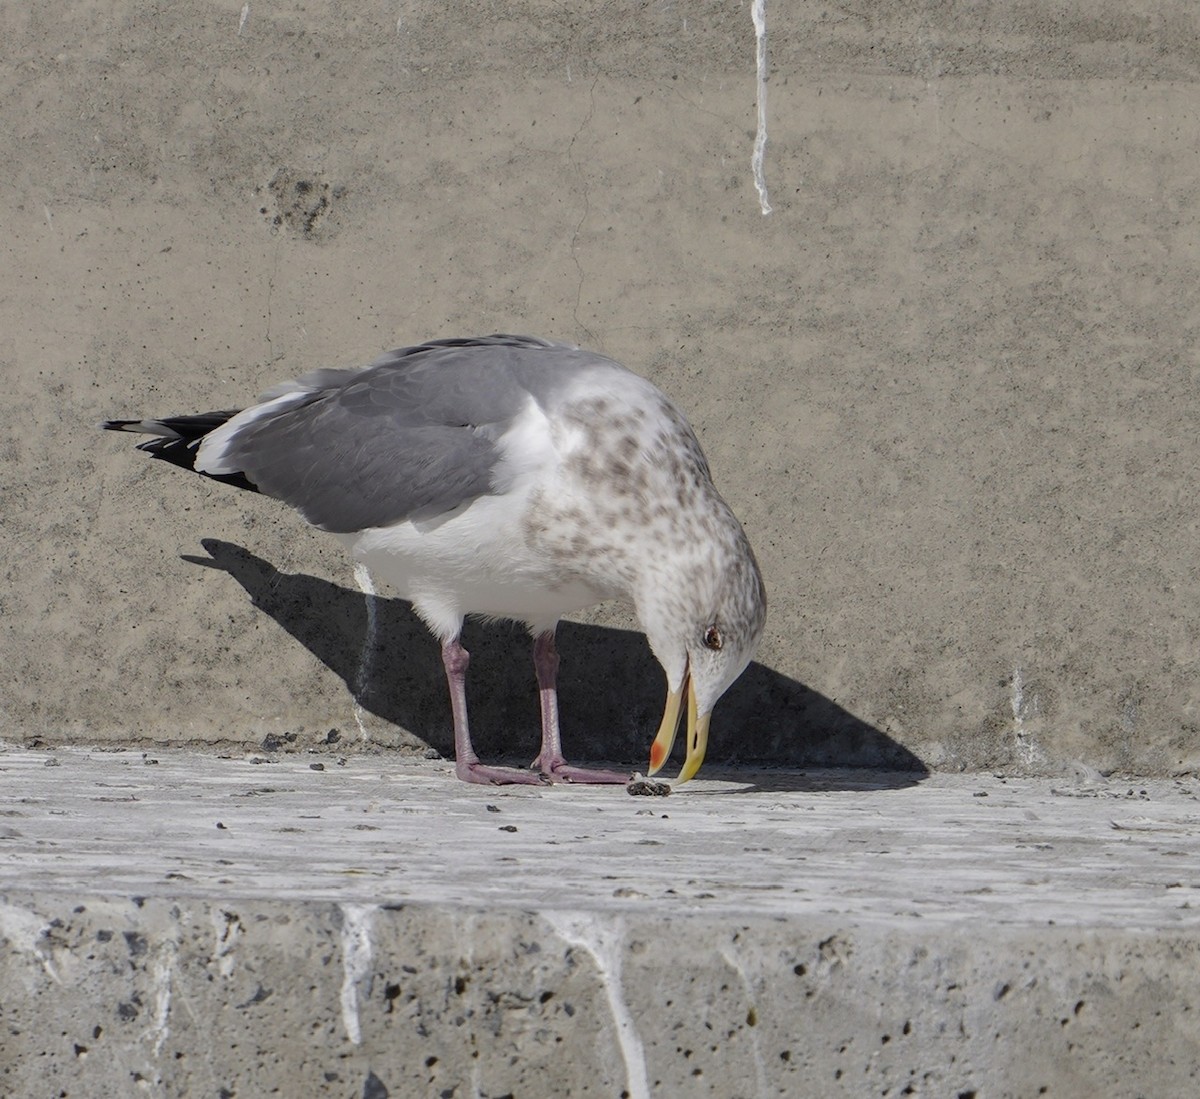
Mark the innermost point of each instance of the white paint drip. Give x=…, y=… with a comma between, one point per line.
x=356, y=961
x=1027, y=747
x=25, y=931
x=164, y=963
x=602, y=940
x=758, y=12
x=242, y=21
x=734, y=963
x=366, y=658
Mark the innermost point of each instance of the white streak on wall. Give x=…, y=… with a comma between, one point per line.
x=242, y=21
x=602, y=940
x=734, y=963
x=25, y=930
x=1024, y=706
x=758, y=12
x=164, y=963
x=356, y=962
x=228, y=929
x=366, y=658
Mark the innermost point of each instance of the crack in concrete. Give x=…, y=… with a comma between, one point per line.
x=589, y=335
x=271, y=356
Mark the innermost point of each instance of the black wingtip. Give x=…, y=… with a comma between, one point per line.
x=176, y=439
x=182, y=453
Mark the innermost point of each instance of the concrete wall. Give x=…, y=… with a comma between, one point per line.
x=949, y=383
x=110, y=997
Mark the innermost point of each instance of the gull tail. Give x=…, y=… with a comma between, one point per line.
x=177, y=438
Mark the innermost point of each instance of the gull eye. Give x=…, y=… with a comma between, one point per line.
x=713, y=639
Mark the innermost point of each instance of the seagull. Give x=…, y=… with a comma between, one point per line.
x=508, y=477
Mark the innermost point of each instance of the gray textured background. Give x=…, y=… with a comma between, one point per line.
x=949, y=384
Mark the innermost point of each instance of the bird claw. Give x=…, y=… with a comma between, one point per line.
x=559, y=770
x=499, y=776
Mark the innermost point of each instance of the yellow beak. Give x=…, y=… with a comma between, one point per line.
x=697, y=733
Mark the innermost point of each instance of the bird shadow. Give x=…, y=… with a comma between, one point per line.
x=611, y=689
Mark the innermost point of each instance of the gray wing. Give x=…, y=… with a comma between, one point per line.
x=411, y=436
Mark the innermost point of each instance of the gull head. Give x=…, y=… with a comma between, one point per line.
x=703, y=615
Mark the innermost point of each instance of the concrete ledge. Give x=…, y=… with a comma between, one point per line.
x=179, y=924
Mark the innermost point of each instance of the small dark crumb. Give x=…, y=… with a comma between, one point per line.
x=640, y=786
x=980, y=794
x=508, y=828
x=149, y=762
x=493, y=808
x=316, y=767
x=221, y=826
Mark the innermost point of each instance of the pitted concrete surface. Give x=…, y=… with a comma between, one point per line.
x=175, y=923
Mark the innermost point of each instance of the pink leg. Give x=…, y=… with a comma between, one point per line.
x=550, y=760
x=466, y=763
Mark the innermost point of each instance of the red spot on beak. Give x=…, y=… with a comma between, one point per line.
x=658, y=755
